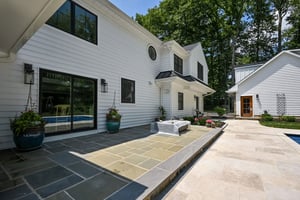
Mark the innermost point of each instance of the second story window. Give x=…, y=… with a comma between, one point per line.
x=75, y=20
x=178, y=64
x=200, y=71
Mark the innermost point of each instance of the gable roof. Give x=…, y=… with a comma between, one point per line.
x=294, y=53
x=191, y=46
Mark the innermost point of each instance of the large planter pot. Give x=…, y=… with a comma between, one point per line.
x=113, y=126
x=31, y=140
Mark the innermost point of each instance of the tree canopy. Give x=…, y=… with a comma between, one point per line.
x=231, y=32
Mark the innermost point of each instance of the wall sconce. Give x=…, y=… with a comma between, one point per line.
x=104, y=86
x=28, y=74
x=257, y=96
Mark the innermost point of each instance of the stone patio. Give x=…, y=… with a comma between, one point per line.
x=131, y=164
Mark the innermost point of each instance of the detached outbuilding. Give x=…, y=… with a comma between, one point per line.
x=272, y=87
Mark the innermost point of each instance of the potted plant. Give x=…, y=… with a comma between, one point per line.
x=113, y=120
x=28, y=130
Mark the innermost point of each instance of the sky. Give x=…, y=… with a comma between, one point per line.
x=131, y=7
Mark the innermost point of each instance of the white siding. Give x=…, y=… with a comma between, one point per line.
x=242, y=72
x=196, y=55
x=188, y=100
x=119, y=53
x=166, y=63
x=279, y=76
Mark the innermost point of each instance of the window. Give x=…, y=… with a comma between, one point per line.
x=178, y=63
x=197, y=102
x=180, y=101
x=67, y=102
x=200, y=71
x=127, y=91
x=75, y=20
x=152, y=52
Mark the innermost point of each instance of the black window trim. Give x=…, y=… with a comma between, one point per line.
x=181, y=107
x=72, y=28
x=134, y=92
x=176, y=57
x=202, y=72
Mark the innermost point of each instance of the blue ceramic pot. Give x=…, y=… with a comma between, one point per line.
x=31, y=140
x=112, y=126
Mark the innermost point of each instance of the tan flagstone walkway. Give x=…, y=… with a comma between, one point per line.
x=248, y=161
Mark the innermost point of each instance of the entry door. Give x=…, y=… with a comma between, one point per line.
x=246, y=106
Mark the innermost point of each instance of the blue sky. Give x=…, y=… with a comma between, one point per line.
x=131, y=7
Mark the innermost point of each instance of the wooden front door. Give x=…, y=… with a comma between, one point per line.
x=246, y=106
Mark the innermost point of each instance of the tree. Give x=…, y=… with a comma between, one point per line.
x=281, y=7
x=292, y=35
x=223, y=27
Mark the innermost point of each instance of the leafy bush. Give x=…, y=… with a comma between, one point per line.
x=288, y=118
x=219, y=124
x=28, y=119
x=189, y=118
x=113, y=115
x=266, y=117
x=220, y=111
x=202, y=121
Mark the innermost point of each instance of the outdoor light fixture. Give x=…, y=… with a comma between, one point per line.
x=257, y=96
x=104, y=86
x=28, y=74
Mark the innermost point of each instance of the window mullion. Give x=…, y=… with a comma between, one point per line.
x=72, y=18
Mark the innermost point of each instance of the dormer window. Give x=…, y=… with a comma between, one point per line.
x=200, y=71
x=178, y=64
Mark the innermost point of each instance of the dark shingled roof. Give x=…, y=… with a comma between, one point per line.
x=168, y=74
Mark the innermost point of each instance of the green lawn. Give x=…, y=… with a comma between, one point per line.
x=281, y=124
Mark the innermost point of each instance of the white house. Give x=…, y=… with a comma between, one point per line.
x=88, y=55
x=271, y=87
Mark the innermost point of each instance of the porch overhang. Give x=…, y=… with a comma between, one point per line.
x=19, y=20
x=188, y=82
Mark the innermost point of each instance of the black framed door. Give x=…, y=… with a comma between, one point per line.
x=67, y=102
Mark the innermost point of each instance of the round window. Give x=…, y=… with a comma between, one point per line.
x=152, y=52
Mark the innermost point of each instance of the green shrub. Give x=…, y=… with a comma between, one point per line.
x=202, y=121
x=288, y=118
x=220, y=111
x=189, y=118
x=219, y=124
x=266, y=117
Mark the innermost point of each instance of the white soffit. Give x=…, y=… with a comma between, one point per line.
x=19, y=20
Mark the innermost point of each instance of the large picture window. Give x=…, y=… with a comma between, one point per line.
x=128, y=91
x=74, y=19
x=200, y=71
x=67, y=102
x=180, y=101
x=178, y=64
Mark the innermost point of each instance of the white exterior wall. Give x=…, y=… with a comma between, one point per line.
x=120, y=53
x=279, y=76
x=242, y=72
x=196, y=55
x=166, y=62
x=189, y=103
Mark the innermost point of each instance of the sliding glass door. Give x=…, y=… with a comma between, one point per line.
x=67, y=102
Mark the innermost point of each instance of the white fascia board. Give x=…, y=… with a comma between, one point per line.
x=35, y=15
